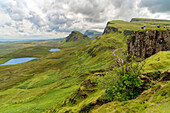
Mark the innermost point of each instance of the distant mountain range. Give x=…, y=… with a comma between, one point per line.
x=92, y=33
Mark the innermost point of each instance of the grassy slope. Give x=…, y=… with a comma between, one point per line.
x=154, y=100
x=99, y=62
x=74, y=39
x=106, y=40
x=70, y=67
x=40, y=85
x=154, y=97
x=35, y=51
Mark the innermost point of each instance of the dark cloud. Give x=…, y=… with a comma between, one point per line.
x=162, y=6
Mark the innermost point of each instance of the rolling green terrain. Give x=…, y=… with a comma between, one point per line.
x=68, y=80
x=8, y=47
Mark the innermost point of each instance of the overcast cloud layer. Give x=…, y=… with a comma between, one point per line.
x=57, y=18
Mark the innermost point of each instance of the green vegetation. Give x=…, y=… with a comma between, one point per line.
x=158, y=29
x=158, y=62
x=68, y=80
x=74, y=39
x=8, y=47
x=127, y=83
x=61, y=71
x=155, y=99
x=135, y=25
x=36, y=51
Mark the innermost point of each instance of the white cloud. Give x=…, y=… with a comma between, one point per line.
x=56, y=18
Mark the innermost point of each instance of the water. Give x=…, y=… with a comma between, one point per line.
x=18, y=60
x=55, y=49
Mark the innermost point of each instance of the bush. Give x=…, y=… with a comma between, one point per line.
x=127, y=85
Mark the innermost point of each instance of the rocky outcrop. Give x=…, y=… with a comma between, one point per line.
x=108, y=29
x=144, y=44
x=75, y=36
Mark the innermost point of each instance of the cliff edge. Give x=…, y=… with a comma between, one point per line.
x=146, y=43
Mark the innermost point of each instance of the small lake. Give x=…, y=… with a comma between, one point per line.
x=55, y=49
x=18, y=60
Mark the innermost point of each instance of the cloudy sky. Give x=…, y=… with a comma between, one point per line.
x=35, y=19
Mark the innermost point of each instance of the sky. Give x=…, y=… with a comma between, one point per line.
x=48, y=19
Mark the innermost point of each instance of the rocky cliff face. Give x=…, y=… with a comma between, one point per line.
x=144, y=44
x=108, y=29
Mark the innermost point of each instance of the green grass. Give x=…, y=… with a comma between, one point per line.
x=155, y=99
x=158, y=62
x=8, y=47
x=36, y=51
x=74, y=39
x=149, y=29
x=47, y=83
x=39, y=104
x=49, y=80
x=29, y=83
x=136, y=25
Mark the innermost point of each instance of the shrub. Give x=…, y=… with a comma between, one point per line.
x=127, y=84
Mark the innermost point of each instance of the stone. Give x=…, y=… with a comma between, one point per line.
x=145, y=44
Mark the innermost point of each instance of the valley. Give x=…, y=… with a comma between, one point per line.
x=76, y=78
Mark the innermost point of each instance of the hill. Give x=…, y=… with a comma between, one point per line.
x=70, y=80
x=75, y=38
x=92, y=33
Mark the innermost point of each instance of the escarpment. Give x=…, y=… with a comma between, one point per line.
x=144, y=44
x=108, y=29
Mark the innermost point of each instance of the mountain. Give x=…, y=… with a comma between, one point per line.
x=75, y=38
x=92, y=33
x=76, y=78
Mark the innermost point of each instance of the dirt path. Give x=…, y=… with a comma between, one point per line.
x=113, y=53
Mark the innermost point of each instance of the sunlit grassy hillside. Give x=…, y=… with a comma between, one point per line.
x=25, y=86
x=66, y=80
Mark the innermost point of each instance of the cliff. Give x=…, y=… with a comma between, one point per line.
x=146, y=43
x=116, y=28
